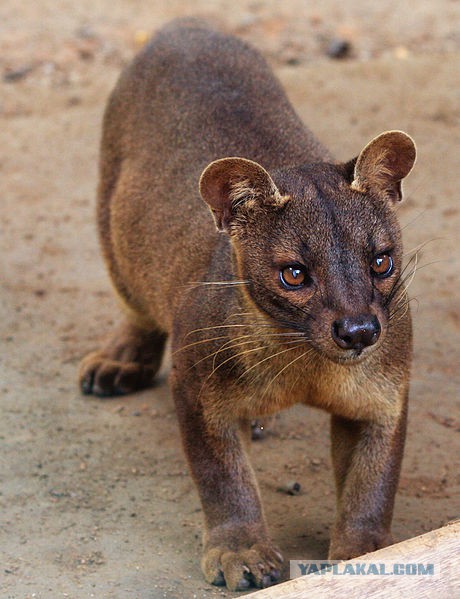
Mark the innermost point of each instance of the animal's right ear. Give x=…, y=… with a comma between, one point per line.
x=233, y=186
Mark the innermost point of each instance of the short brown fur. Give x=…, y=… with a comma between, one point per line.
x=244, y=344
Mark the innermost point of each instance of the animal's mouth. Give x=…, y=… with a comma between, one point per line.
x=353, y=356
x=349, y=357
x=345, y=357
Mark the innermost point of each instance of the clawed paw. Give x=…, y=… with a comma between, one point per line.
x=104, y=377
x=258, y=565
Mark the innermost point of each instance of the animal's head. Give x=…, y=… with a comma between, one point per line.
x=319, y=245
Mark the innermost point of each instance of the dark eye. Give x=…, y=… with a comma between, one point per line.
x=382, y=266
x=293, y=277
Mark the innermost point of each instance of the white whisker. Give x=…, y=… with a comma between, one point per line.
x=308, y=351
x=217, y=283
x=299, y=343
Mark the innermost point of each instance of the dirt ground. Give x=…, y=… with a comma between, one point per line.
x=95, y=496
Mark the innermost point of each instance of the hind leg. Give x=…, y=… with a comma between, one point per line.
x=128, y=362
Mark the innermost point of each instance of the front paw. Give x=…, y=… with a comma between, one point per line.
x=106, y=377
x=258, y=565
x=346, y=546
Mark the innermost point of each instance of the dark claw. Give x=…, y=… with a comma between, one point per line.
x=119, y=391
x=219, y=580
x=267, y=581
x=87, y=384
x=275, y=574
x=243, y=584
x=99, y=392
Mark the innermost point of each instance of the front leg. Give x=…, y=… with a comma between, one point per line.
x=237, y=548
x=367, y=461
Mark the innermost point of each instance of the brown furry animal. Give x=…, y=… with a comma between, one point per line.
x=297, y=296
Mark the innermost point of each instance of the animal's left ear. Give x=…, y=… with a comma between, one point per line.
x=383, y=164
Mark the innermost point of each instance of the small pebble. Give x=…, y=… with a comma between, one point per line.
x=141, y=37
x=257, y=430
x=401, y=53
x=338, y=48
x=86, y=32
x=74, y=101
x=291, y=57
x=17, y=74
x=290, y=488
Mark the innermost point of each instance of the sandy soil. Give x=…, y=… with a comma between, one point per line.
x=95, y=496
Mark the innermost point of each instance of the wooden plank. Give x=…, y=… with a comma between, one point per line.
x=440, y=547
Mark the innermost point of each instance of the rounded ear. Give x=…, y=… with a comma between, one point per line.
x=228, y=184
x=383, y=163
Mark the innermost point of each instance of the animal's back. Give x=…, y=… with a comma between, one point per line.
x=192, y=96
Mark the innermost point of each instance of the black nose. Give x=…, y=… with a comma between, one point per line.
x=356, y=332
